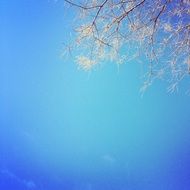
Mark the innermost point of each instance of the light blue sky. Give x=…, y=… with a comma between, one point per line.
x=63, y=128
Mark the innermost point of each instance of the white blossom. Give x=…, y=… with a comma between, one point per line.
x=85, y=62
x=157, y=31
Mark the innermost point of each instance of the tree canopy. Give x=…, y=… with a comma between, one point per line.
x=122, y=30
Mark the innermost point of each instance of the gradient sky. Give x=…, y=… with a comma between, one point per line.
x=65, y=129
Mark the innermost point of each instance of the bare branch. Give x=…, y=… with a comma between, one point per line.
x=124, y=30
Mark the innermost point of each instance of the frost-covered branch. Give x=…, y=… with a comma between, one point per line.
x=120, y=30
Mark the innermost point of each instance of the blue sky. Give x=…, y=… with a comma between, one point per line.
x=63, y=128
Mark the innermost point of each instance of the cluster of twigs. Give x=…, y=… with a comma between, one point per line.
x=121, y=30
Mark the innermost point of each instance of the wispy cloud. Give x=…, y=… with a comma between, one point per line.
x=109, y=158
x=29, y=184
